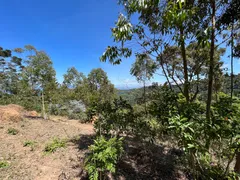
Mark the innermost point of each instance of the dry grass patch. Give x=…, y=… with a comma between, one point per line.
x=11, y=112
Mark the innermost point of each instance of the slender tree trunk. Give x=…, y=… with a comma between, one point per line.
x=237, y=164
x=211, y=64
x=43, y=107
x=185, y=68
x=232, y=60
x=210, y=73
x=144, y=96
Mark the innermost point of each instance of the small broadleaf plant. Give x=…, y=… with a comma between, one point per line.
x=103, y=157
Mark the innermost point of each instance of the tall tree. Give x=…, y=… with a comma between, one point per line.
x=211, y=63
x=11, y=67
x=143, y=69
x=73, y=86
x=198, y=62
x=44, y=75
x=160, y=24
x=39, y=75
x=73, y=78
x=100, y=88
x=230, y=21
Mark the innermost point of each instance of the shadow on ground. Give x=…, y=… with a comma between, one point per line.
x=148, y=161
x=33, y=117
x=83, y=142
x=141, y=161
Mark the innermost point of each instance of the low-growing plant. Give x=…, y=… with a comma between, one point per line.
x=12, y=131
x=4, y=164
x=54, y=145
x=104, y=154
x=30, y=144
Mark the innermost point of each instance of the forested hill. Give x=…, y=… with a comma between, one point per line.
x=135, y=95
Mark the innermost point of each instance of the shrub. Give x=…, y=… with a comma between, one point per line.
x=210, y=145
x=81, y=116
x=4, y=164
x=103, y=157
x=73, y=110
x=12, y=131
x=117, y=117
x=162, y=102
x=54, y=145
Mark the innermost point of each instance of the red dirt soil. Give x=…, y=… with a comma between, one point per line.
x=30, y=163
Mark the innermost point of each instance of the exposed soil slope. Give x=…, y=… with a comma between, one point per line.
x=31, y=162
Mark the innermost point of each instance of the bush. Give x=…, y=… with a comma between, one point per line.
x=81, y=116
x=103, y=157
x=73, y=110
x=12, y=131
x=210, y=145
x=117, y=117
x=54, y=145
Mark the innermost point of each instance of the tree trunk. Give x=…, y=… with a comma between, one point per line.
x=43, y=107
x=185, y=68
x=237, y=165
x=232, y=60
x=144, y=96
x=211, y=64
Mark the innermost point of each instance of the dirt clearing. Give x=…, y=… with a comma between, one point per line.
x=23, y=153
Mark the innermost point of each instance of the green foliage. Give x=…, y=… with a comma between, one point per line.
x=133, y=96
x=81, y=116
x=72, y=109
x=30, y=144
x=171, y=36
x=100, y=88
x=204, y=142
x=12, y=131
x=73, y=78
x=104, y=154
x=143, y=68
x=4, y=164
x=117, y=117
x=56, y=143
x=146, y=127
x=162, y=101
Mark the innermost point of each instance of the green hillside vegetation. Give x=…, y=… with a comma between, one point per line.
x=188, y=127
x=135, y=95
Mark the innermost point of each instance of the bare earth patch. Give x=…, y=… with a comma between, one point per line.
x=26, y=160
x=31, y=163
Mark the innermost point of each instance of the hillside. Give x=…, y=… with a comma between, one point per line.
x=134, y=95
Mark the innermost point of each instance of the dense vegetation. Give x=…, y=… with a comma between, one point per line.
x=198, y=107
x=29, y=80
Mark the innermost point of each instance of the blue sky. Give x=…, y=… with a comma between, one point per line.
x=74, y=33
